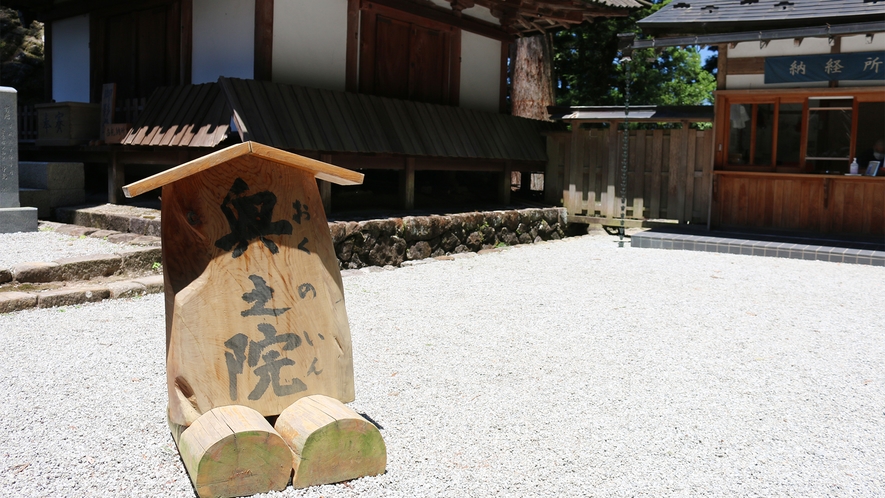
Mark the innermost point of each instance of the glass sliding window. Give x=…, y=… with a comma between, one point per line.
x=829, y=134
x=751, y=134
x=740, y=133
x=870, y=130
x=789, y=134
x=764, y=134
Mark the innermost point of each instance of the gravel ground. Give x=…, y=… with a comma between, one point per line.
x=45, y=246
x=570, y=368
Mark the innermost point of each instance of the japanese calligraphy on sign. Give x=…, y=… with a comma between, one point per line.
x=825, y=67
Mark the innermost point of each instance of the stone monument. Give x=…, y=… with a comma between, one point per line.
x=13, y=217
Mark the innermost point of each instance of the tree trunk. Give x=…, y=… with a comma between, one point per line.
x=532, y=83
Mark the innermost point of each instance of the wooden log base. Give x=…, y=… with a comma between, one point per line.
x=330, y=442
x=233, y=451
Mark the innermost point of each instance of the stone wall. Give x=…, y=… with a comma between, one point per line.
x=376, y=242
x=392, y=241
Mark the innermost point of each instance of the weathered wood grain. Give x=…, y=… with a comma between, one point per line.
x=234, y=451
x=330, y=442
x=210, y=293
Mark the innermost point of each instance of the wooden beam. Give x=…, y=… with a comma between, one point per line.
x=722, y=66
x=433, y=13
x=746, y=65
x=351, y=64
x=263, y=63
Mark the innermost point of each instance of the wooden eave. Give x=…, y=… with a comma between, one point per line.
x=532, y=16
x=318, y=169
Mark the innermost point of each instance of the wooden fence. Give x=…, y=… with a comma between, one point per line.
x=669, y=173
x=127, y=111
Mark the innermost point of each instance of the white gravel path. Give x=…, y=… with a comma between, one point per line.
x=45, y=246
x=570, y=368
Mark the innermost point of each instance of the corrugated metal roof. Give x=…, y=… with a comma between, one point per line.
x=714, y=16
x=297, y=118
x=185, y=116
x=648, y=113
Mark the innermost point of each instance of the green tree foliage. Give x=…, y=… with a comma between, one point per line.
x=589, y=71
x=21, y=56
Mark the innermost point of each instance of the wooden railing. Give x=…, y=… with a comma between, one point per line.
x=126, y=111
x=669, y=173
x=27, y=123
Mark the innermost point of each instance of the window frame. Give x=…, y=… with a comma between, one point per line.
x=726, y=98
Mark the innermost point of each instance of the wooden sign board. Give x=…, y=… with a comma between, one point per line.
x=114, y=133
x=254, y=299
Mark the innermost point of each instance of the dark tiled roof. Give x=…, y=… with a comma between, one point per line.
x=720, y=16
x=297, y=118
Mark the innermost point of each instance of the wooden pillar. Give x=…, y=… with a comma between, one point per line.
x=504, y=192
x=722, y=66
x=525, y=183
x=186, y=41
x=407, y=184
x=263, y=50
x=326, y=187
x=351, y=61
x=116, y=179
x=47, y=61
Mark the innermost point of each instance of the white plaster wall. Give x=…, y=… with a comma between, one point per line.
x=70, y=59
x=859, y=43
x=223, y=39
x=746, y=81
x=778, y=48
x=310, y=43
x=480, y=72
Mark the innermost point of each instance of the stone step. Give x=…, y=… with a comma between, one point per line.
x=131, y=270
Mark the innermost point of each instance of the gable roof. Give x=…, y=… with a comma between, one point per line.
x=318, y=169
x=296, y=118
x=723, y=16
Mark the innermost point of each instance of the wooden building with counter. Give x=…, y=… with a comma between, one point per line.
x=801, y=94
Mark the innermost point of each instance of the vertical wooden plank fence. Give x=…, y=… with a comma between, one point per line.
x=669, y=173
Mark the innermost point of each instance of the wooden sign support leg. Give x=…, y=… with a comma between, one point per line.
x=233, y=451
x=330, y=442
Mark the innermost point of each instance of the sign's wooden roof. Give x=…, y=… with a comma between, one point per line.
x=721, y=16
x=319, y=169
x=296, y=118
